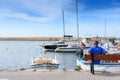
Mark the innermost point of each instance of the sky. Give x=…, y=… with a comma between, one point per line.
x=44, y=18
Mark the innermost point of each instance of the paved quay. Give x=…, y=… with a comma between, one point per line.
x=58, y=75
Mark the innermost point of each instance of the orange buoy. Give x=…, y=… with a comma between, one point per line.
x=118, y=47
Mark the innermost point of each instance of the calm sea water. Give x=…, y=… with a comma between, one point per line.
x=17, y=55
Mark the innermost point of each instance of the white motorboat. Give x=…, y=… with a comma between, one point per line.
x=67, y=49
x=87, y=41
x=111, y=48
x=70, y=48
x=53, y=46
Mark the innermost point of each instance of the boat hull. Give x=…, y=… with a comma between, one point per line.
x=81, y=64
x=68, y=49
x=46, y=66
x=44, y=62
x=53, y=47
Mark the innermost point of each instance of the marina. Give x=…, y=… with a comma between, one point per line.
x=59, y=40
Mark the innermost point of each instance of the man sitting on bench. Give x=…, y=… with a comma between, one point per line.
x=95, y=49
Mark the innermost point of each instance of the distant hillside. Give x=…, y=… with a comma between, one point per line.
x=31, y=38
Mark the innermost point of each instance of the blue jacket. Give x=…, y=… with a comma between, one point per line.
x=96, y=50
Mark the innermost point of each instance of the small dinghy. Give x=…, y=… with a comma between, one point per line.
x=44, y=62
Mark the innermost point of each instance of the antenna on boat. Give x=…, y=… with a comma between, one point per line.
x=77, y=20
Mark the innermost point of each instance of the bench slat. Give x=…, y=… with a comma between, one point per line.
x=103, y=63
x=103, y=57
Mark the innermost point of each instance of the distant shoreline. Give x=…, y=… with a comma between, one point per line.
x=46, y=38
x=31, y=38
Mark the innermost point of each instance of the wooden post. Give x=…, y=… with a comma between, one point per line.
x=92, y=64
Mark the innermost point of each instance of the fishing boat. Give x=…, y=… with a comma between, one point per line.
x=44, y=62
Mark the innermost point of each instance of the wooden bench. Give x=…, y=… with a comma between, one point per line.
x=112, y=57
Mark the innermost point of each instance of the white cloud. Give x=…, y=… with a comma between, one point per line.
x=22, y=16
x=24, y=9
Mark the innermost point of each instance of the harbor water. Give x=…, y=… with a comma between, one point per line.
x=17, y=55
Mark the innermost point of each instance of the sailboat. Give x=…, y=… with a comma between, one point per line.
x=60, y=43
x=72, y=47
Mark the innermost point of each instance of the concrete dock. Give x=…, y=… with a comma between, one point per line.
x=58, y=75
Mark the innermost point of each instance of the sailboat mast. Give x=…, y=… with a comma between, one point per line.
x=77, y=20
x=63, y=23
x=105, y=29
